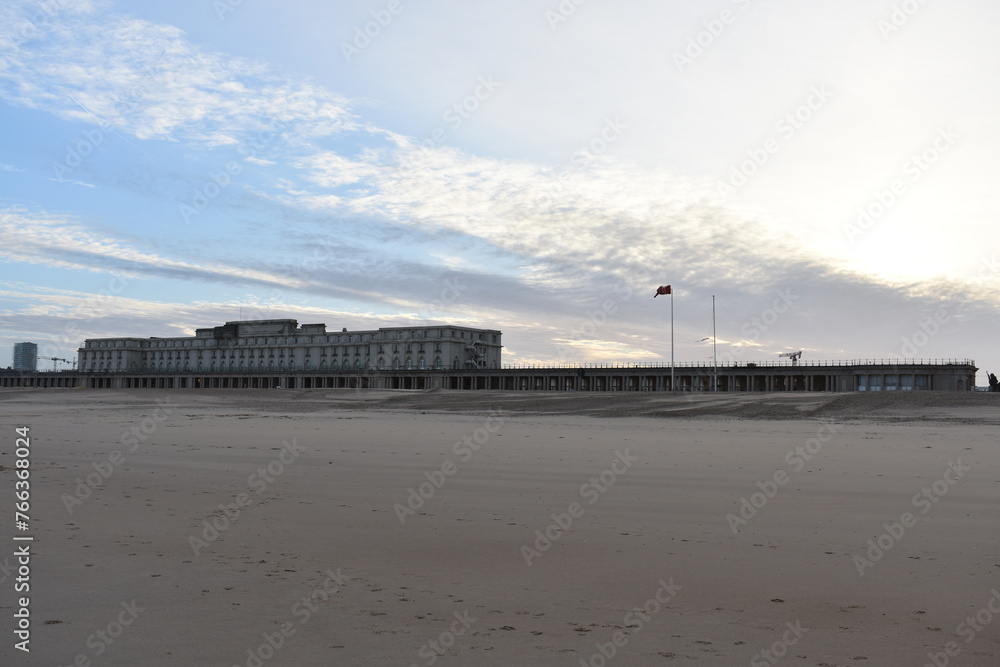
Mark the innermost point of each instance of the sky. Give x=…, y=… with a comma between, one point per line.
x=826, y=170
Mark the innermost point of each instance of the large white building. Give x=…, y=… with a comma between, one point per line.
x=266, y=346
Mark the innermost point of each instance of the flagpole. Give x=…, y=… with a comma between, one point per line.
x=673, y=387
x=715, y=348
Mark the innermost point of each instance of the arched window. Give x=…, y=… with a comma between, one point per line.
x=395, y=364
x=409, y=363
x=381, y=364
x=437, y=362
x=420, y=364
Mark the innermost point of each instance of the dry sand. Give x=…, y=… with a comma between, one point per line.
x=660, y=519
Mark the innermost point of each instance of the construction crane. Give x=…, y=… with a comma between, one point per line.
x=54, y=360
x=794, y=356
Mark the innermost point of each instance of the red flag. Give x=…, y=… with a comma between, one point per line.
x=663, y=289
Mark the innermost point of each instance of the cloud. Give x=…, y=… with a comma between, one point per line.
x=80, y=183
x=147, y=80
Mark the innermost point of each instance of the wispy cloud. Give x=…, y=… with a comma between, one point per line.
x=147, y=80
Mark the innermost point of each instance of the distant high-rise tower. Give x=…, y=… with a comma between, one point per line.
x=25, y=357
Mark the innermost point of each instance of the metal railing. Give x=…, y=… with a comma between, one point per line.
x=747, y=365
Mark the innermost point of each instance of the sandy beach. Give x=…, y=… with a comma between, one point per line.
x=488, y=528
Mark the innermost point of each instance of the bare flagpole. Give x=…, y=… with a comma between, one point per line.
x=715, y=349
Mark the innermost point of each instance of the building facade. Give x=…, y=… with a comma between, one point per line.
x=25, y=357
x=277, y=346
